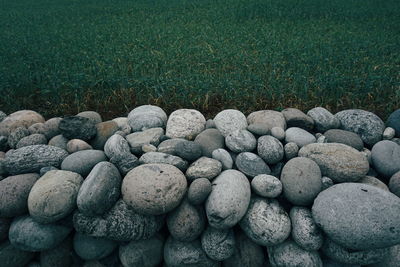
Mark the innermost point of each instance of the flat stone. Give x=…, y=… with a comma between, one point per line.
x=324, y=120
x=296, y=118
x=204, y=168
x=299, y=136
x=218, y=244
x=104, y=131
x=394, y=184
x=224, y=157
x=75, y=145
x=269, y=118
x=185, y=123
x=91, y=115
x=209, y=140
x=289, y=253
x=163, y=158
x=59, y=141
x=348, y=212
x=146, y=117
x=82, y=162
x=145, y=253
x=11, y=256
x=138, y=139
x=251, y=164
x=266, y=186
x=14, y=191
x=344, y=137
x=386, y=158
x=339, y=162
x=394, y=121
x=33, y=139
x=229, y=120
x=77, y=127
x=270, y=149
x=93, y=248
x=240, y=141
x=199, y=190
x=21, y=118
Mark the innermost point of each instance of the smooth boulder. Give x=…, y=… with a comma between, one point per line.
x=386, y=158
x=82, y=162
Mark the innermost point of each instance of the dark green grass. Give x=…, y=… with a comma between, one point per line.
x=64, y=56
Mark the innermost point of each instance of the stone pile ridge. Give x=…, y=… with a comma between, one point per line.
x=273, y=188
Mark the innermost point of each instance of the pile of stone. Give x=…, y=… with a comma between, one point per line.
x=270, y=189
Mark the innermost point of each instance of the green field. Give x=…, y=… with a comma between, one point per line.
x=64, y=56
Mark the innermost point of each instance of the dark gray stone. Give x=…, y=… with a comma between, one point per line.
x=4, y=227
x=344, y=137
x=125, y=163
x=82, y=162
x=16, y=135
x=394, y=121
x=93, y=248
x=209, y=140
x=146, y=117
x=10, y=256
x=251, y=164
x=230, y=120
x=60, y=256
x=188, y=150
x=204, y=168
x=289, y=253
x=3, y=143
x=163, y=158
x=266, y=186
x=185, y=123
x=77, y=127
x=33, y=139
x=296, y=118
x=391, y=260
x=199, y=190
x=270, y=149
x=218, y=244
x=241, y=141
x=386, y=158
x=323, y=119
x=2, y=116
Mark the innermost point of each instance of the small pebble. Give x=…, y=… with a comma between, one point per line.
x=388, y=133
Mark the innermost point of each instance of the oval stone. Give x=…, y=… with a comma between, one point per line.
x=209, y=140
x=386, y=158
x=185, y=123
x=344, y=137
x=251, y=164
x=269, y=118
x=289, y=253
x=299, y=136
x=323, y=119
x=230, y=120
x=270, y=149
x=146, y=117
x=142, y=253
x=83, y=161
x=241, y=141
x=21, y=118
x=93, y=248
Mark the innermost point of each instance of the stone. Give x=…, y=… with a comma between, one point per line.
x=185, y=123
x=199, y=190
x=240, y=141
x=389, y=133
x=4, y=227
x=259, y=129
x=146, y=117
x=169, y=146
x=348, y=212
x=266, y=186
x=163, y=158
x=278, y=133
x=2, y=116
x=37, y=128
x=116, y=145
x=269, y=118
x=229, y=120
x=339, y=162
x=391, y=260
x=59, y=141
x=204, y=168
x=75, y=145
x=218, y=244
x=209, y=140
x=91, y=115
x=120, y=223
x=348, y=256
x=251, y=164
x=299, y=136
x=82, y=162
x=21, y=118
x=277, y=169
x=27, y=234
x=247, y=253
x=150, y=136
x=224, y=157
x=53, y=196
x=374, y=182
x=11, y=256
x=51, y=127
x=291, y=150
x=100, y=190
x=270, y=149
x=93, y=248
x=188, y=150
x=145, y=253
x=296, y=118
x=16, y=135
x=210, y=124
x=186, y=222
x=228, y=200
x=3, y=143
x=266, y=222
x=121, y=121
x=33, y=139
x=324, y=120
x=178, y=253
x=322, y=139
x=344, y=137
x=393, y=121
x=60, y=256
x=394, y=184
x=386, y=158
x=148, y=148
x=104, y=131
x=364, y=123
x=125, y=163
x=289, y=253
x=305, y=231
x=30, y=159
x=45, y=170
x=14, y=191
x=326, y=182
x=154, y=189
x=301, y=181
x=77, y=127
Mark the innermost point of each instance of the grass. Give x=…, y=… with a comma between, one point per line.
x=64, y=56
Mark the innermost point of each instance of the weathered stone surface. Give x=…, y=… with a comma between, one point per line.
x=33, y=139
x=270, y=149
x=240, y=141
x=296, y=118
x=229, y=120
x=204, y=168
x=77, y=127
x=266, y=222
x=366, y=124
x=228, y=200
x=59, y=141
x=27, y=234
x=269, y=118
x=301, y=181
x=374, y=182
x=391, y=260
x=32, y=158
x=185, y=123
x=75, y=145
x=53, y=196
x=146, y=117
x=278, y=133
x=100, y=190
x=116, y=145
x=169, y=146
x=389, y=133
x=138, y=139
x=91, y=115
x=3, y=143
x=289, y=253
x=224, y=157
x=154, y=189
x=104, y=130
x=188, y=150
x=386, y=158
x=251, y=164
x=93, y=248
x=22, y=118
x=266, y=186
x=351, y=215
x=82, y=162
x=259, y=129
x=394, y=184
x=323, y=119
x=199, y=190
x=163, y=158
x=16, y=135
x=14, y=191
x=142, y=253
x=218, y=244
x=209, y=140
x=60, y=256
x=299, y=136
x=291, y=150
x=51, y=127
x=121, y=223
x=339, y=162
x=10, y=256
x=344, y=137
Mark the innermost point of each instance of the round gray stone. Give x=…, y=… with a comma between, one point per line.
x=251, y=164
x=270, y=149
x=75, y=145
x=204, y=168
x=278, y=133
x=100, y=190
x=351, y=215
x=218, y=244
x=394, y=121
x=82, y=162
x=53, y=196
x=186, y=222
x=185, y=123
x=21, y=118
x=93, y=248
x=305, y=231
x=289, y=253
x=33, y=139
x=228, y=200
x=37, y=128
x=138, y=139
x=188, y=150
x=389, y=133
x=240, y=141
x=299, y=136
x=30, y=159
x=104, y=130
x=296, y=118
x=199, y=190
x=386, y=158
x=301, y=181
x=224, y=157
x=146, y=117
x=16, y=135
x=209, y=140
x=291, y=150
x=230, y=120
x=364, y=123
x=14, y=191
x=77, y=127
x=344, y=137
x=91, y=115
x=266, y=186
x=269, y=118
x=339, y=162
x=266, y=222
x=27, y=234
x=10, y=256
x=323, y=119
x=154, y=189
x=163, y=158
x=59, y=141
x=394, y=184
